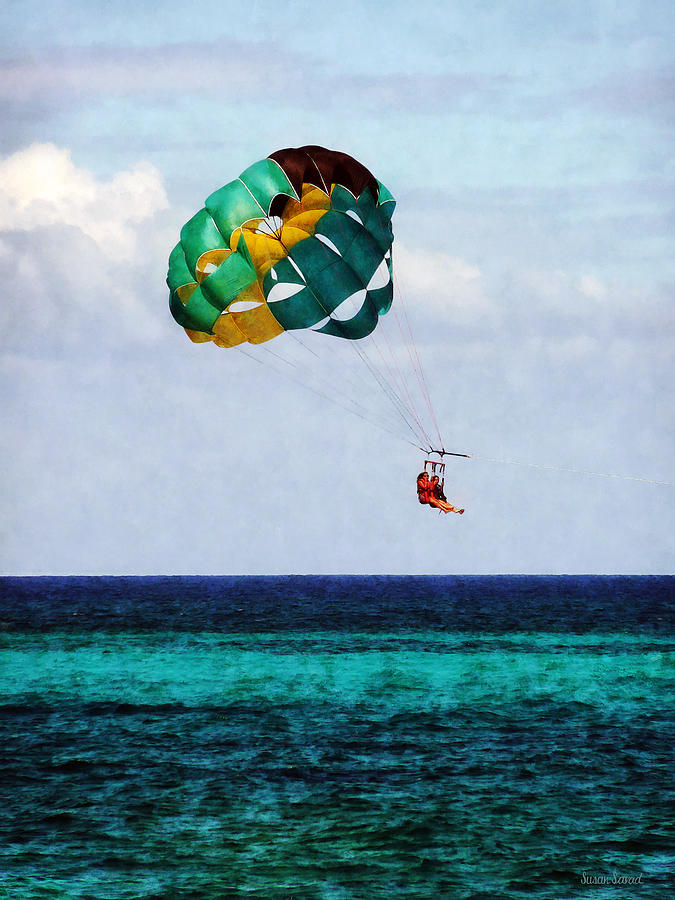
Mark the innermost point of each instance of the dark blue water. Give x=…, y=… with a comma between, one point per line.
x=337, y=737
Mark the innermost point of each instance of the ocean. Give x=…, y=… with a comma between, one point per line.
x=321, y=738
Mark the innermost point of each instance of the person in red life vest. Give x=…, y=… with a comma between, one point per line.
x=423, y=487
x=430, y=491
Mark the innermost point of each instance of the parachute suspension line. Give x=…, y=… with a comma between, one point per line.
x=406, y=412
x=303, y=344
x=393, y=382
x=391, y=393
x=408, y=340
x=412, y=350
x=402, y=375
x=324, y=396
x=362, y=381
x=399, y=380
x=388, y=384
x=357, y=384
x=299, y=365
x=330, y=391
x=395, y=400
x=387, y=389
x=416, y=363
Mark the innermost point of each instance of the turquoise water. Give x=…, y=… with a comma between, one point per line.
x=417, y=671
x=343, y=763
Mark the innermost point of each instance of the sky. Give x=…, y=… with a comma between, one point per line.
x=529, y=149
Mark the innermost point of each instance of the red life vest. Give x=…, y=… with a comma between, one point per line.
x=423, y=490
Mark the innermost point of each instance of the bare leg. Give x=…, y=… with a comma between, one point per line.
x=445, y=507
x=448, y=507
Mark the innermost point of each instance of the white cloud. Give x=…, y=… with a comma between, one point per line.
x=591, y=287
x=77, y=253
x=566, y=312
x=448, y=285
x=41, y=186
x=572, y=350
x=558, y=304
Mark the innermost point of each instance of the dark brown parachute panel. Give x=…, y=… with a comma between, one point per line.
x=323, y=168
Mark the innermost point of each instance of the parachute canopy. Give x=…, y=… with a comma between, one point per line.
x=301, y=239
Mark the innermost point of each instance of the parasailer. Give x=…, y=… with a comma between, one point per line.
x=430, y=491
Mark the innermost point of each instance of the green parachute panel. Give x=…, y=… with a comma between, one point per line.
x=265, y=179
